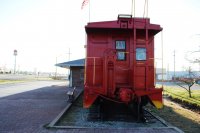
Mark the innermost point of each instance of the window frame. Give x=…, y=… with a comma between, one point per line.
x=144, y=56
x=121, y=50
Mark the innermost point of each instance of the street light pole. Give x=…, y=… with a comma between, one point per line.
x=15, y=54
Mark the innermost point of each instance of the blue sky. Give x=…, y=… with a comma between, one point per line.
x=42, y=30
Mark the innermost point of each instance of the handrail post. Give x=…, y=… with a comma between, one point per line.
x=94, y=72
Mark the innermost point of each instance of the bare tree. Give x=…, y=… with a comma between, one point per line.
x=188, y=80
x=193, y=57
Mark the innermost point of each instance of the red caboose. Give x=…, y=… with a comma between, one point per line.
x=120, y=61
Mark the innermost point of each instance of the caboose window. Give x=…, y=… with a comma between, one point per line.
x=121, y=55
x=120, y=45
x=140, y=54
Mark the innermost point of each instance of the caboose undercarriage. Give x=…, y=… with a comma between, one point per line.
x=127, y=96
x=133, y=100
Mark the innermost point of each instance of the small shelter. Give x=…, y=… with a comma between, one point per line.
x=76, y=67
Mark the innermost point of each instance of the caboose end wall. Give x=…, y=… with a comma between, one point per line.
x=120, y=60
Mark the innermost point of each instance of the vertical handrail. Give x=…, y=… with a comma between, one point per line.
x=162, y=57
x=134, y=49
x=85, y=75
x=94, y=69
x=85, y=67
x=147, y=53
x=94, y=72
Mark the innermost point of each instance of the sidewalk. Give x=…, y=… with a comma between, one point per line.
x=29, y=111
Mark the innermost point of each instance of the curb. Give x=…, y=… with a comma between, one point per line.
x=59, y=116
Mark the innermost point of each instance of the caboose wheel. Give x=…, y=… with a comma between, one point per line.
x=95, y=111
x=137, y=109
x=142, y=101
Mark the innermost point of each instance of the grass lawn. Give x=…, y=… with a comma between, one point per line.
x=10, y=81
x=183, y=95
x=173, y=113
x=185, y=119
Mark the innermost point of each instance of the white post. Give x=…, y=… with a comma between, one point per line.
x=133, y=8
x=89, y=8
x=15, y=54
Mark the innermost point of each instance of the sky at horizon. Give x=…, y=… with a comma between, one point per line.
x=43, y=30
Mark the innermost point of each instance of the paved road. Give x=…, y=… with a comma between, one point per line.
x=14, y=88
x=27, y=107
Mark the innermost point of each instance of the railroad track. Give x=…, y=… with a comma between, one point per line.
x=150, y=116
x=75, y=118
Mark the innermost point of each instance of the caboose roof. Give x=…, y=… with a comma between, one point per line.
x=138, y=23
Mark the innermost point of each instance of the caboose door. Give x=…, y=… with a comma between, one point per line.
x=140, y=68
x=122, y=65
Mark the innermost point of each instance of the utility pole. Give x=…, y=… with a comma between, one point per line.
x=168, y=71
x=174, y=63
x=69, y=55
x=15, y=55
x=56, y=68
x=68, y=60
x=199, y=59
x=56, y=71
x=199, y=65
x=162, y=53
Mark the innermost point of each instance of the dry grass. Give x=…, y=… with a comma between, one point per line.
x=178, y=116
x=182, y=94
x=10, y=81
